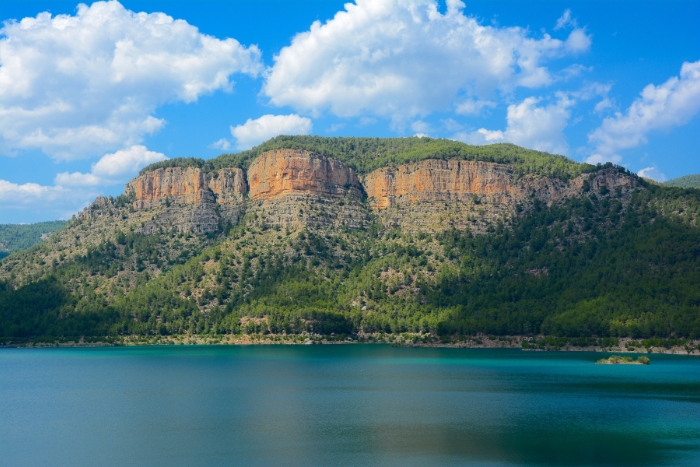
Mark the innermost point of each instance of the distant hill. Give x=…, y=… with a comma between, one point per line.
x=687, y=181
x=15, y=237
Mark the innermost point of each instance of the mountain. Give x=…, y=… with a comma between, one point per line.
x=687, y=181
x=15, y=237
x=367, y=235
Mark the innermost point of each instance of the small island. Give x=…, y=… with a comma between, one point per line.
x=617, y=360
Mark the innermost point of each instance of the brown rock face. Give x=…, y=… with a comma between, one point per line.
x=440, y=181
x=436, y=194
x=188, y=186
x=228, y=185
x=298, y=188
x=281, y=172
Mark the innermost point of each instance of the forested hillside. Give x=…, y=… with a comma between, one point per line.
x=594, y=261
x=15, y=237
x=687, y=181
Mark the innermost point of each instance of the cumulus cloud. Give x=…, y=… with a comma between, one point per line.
x=254, y=132
x=530, y=125
x=222, y=144
x=665, y=106
x=652, y=173
x=473, y=106
x=73, y=191
x=60, y=201
x=401, y=59
x=112, y=168
x=76, y=86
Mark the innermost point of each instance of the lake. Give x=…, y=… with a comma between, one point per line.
x=343, y=405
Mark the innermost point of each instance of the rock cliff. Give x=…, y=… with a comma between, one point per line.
x=298, y=188
x=189, y=199
x=438, y=194
x=278, y=173
x=440, y=181
x=291, y=188
x=188, y=185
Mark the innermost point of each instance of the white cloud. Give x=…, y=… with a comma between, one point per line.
x=73, y=191
x=451, y=125
x=77, y=86
x=335, y=127
x=665, y=106
x=421, y=127
x=603, y=105
x=652, y=173
x=530, y=126
x=565, y=20
x=473, y=106
x=401, y=59
x=112, y=168
x=602, y=159
x=76, y=179
x=254, y=132
x=222, y=144
x=60, y=201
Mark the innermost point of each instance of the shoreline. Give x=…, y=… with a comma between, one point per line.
x=525, y=343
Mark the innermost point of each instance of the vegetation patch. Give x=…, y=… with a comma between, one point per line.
x=618, y=360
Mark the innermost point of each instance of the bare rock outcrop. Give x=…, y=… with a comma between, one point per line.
x=289, y=187
x=439, y=194
x=188, y=185
x=286, y=171
x=442, y=181
x=189, y=199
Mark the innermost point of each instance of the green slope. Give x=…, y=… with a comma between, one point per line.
x=605, y=264
x=15, y=237
x=687, y=181
x=589, y=267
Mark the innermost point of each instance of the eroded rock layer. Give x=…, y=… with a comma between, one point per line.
x=188, y=185
x=281, y=172
x=440, y=181
x=298, y=188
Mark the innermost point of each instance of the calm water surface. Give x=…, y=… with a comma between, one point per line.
x=343, y=405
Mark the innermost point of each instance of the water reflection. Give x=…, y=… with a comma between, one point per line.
x=343, y=405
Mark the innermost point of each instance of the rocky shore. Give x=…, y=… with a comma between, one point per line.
x=526, y=343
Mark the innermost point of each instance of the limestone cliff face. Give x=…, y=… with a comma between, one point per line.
x=229, y=186
x=440, y=181
x=297, y=188
x=189, y=199
x=188, y=185
x=438, y=194
x=282, y=172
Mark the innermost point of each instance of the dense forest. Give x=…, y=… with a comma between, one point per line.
x=603, y=264
x=687, y=181
x=16, y=237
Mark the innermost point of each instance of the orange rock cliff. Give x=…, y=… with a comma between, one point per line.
x=277, y=173
x=188, y=185
x=439, y=181
x=279, y=184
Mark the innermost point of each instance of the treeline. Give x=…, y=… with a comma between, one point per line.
x=15, y=237
x=687, y=181
x=367, y=154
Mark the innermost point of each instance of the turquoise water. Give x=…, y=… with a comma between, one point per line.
x=343, y=405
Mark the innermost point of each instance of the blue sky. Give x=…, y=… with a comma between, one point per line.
x=90, y=94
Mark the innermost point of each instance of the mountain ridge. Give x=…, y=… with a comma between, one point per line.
x=445, y=245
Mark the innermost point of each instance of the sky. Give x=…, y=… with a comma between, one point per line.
x=91, y=93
